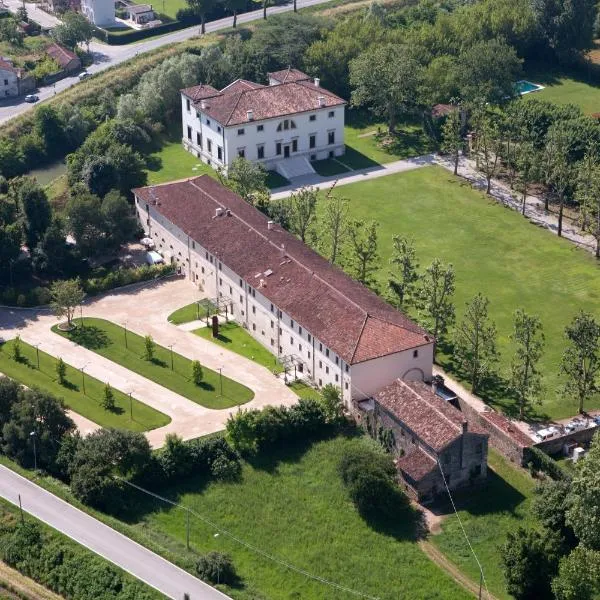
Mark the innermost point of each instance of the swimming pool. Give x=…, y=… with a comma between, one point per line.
x=526, y=87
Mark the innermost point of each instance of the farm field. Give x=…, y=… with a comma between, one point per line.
x=108, y=340
x=88, y=404
x=494, y=251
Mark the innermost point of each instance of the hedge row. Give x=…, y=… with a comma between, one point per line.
x=117, y=38
x=539, y=461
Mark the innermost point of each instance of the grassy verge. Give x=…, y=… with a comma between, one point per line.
x=192, y=312
x=328, y=167
x=238, y=340
x=108, y=340
x=494, y=251
x=89, y=404
x=488, y=514
x=304, y=391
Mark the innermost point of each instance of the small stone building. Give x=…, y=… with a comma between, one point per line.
x=68, y=61
x=429, y=436
x=14, y=81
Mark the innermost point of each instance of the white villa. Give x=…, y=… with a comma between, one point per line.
x=283, y=125
x=99, y=12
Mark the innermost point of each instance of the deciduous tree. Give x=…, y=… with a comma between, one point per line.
x=108, y=398
x=403, y=276
x=246, y=178
x=66, y=296
x=149, y=347
x=587, y=194
x=202, y=8
x=333, y=228
x=363, y=251
x=303, y=204
x=452, y=140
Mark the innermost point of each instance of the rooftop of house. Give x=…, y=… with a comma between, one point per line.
x=6, y=65
x=137, y=9
x=61, y=55
x=416, y=464
x=506, y=426
x=434, y=421
x=341, y=313
x=288, y=75
x=243, y=101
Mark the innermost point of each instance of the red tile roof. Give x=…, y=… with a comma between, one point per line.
x=6, y=66
x=61, y=55
x=347, y=317
x=417, y=464
x=433, y=420
x=507, y=427
x=288, y=75
x=230, y=106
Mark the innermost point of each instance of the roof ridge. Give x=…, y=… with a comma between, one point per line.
x=362, y=329
x=435, y=408
x=240, y=94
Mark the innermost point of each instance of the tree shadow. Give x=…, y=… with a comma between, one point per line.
x=398, y=519
x=154, y=163
x=159, y=362
x=89, y=336
x=116, y=410
x=206, y=386
x=69, y=385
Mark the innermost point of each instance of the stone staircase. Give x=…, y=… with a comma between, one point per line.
x=292, y=168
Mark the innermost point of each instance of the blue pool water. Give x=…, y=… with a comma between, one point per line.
x=526, y=87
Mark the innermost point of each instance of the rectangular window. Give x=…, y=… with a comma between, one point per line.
x=241, y=285
x=415, y=353
x=278, y=148
x=312, y=141
x=312, y=118
x=242, y=152
x=320, y=364
x=241, y=298
x=299, y=330
x=347, y=368
x=254, y=310
x=337, y=360
x=331, y=137
x=208, y=121
x=300, y=347
x=327, y=352
x=294, y=145
x=292, y=323
x=272, y=324
x=241, y=131
x=309, y=338
x=189, y=133
x=260, y=127
x=272, y=342
x=291, y=341
x=346, y=385
x=309, y=354
x=320, y=347
x=209, y=146
x=327, y=370
x=260, y=151
x=337, y=377
x=218, y=129
x=271, y=307
x=187, y=101
x=219, y=153
x=220, y=281
x=199, y=140
x=253, y=326
x=331, y=114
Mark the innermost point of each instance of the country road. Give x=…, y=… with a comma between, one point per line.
x=106, y=56
x=150, y=568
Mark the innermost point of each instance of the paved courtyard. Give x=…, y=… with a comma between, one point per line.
x=145, y=310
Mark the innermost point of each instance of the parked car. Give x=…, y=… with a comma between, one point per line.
x=83, y=75
x=31, y=98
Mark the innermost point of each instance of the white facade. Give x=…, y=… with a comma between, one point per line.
x=274, y=329
x=99, y=12
x=9, y=83
x=315, y=134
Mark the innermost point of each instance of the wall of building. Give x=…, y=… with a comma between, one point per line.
x=555, y=445
x=248, y=137
x=9, y=84
x=99, y=12
x=370, y=376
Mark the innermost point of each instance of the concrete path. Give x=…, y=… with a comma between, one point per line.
x=150, y=568
x=106, y=56
x=322, y=183
x=46, y=20
x=145, y=311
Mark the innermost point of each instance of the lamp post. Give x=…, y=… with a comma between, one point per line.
x=130, y=407
x=37, y=354
x=171, y=349
x=125, y=329
x=221, y=379
x=32, y=435
x=83, y=378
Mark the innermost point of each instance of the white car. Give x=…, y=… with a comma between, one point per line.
x=83, y=75
x=31, y=98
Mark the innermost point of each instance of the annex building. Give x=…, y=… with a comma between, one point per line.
x=283, y=125
x=316, y=319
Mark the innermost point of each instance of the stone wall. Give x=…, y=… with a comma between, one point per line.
x=555, y=445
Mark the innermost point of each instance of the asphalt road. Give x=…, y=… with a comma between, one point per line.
x=162, y=575
x=106, y=56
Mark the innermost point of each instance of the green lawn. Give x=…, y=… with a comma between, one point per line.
x=494, y=251
x=329, y=167
x=89, y=404
x=488, y=514
x=192, y=312
x=108, y=340
x=238, y=340
x=167, y=7
x=293, y=506
x=304, y=391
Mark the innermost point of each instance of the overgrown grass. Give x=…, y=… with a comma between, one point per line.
x=238, y=340
x=89, y=404
x=304, y=391
x=192, y=312
x=494, y=251
x=488, y=514
x=292, y=505
x=108, y=340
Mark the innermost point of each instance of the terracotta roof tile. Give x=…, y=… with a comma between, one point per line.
x=347, y=317
x=417, y=464
x=61, y=55
x=288, y=75
x=6, y=66
x=506, y=426
x=199, y=92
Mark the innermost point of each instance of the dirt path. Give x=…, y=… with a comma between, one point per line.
x=439, y=559
x=25, y=586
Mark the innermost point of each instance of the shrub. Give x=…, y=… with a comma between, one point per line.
x=216, y=567
x=538, y=461
x=148, y=348
x=61, y=371
x=197, y=374
x=16, y=353
x=108, y=398
x=224, y=468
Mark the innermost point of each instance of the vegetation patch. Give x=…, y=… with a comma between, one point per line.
x=193, y=312
x=127, y=413
x=162, y=366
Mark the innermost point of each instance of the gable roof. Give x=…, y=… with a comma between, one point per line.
x=230, y=106
x=432, y=420
x=137, y=9
x=288, y=75
x=416, y=464
x=341, y=313
x=61, y=55
x=7, y=66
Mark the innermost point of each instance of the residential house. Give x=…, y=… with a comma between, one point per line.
x=99, y=12
x=140, y=13
x=282, y=126
x=67, y=60
x=14, y=81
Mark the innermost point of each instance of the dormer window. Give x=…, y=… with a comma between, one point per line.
x=286, y=124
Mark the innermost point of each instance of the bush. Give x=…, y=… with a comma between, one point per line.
x=216, y=567
x=539, y=461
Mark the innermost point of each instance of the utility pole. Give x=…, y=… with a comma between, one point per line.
x=21, y=510
x=171, y=348
x=37, y=354
x=32, y=434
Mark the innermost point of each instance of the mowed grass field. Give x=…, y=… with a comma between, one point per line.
x=293, y=506
x=495, y=251
x=488, y=514
x=89, y=404
x=108, y=340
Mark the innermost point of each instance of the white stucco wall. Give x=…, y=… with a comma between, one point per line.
x=9, y=84
x=232, y=140
x=99, y=12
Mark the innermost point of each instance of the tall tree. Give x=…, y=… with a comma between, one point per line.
x=475, y=342
x=528, y=169
x=488, y=144
x=35, y=208
x=452, y=140
x=246, y=178
x=580, y=363
x=333, y=230
x=574, y=582
x=559, y=172
x=66, y=296
x=385, y=78
x=403, y=276
x=303, y=204
x=587, y=194
x=234, y=6
x=526, y=380
x=363, y=251
x=201, y=8
x=434, y=300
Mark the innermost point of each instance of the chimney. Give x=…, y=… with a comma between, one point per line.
x=250, y=115
x=228, y=212
x=270, y=224
x=203, y=104
x=218, y=211
x=317, y=82
x=321, y=100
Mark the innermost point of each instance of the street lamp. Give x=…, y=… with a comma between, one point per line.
x=83, y=378
x=221, y=379
x=130, y=407
x=32, y=435
x=37, y=354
